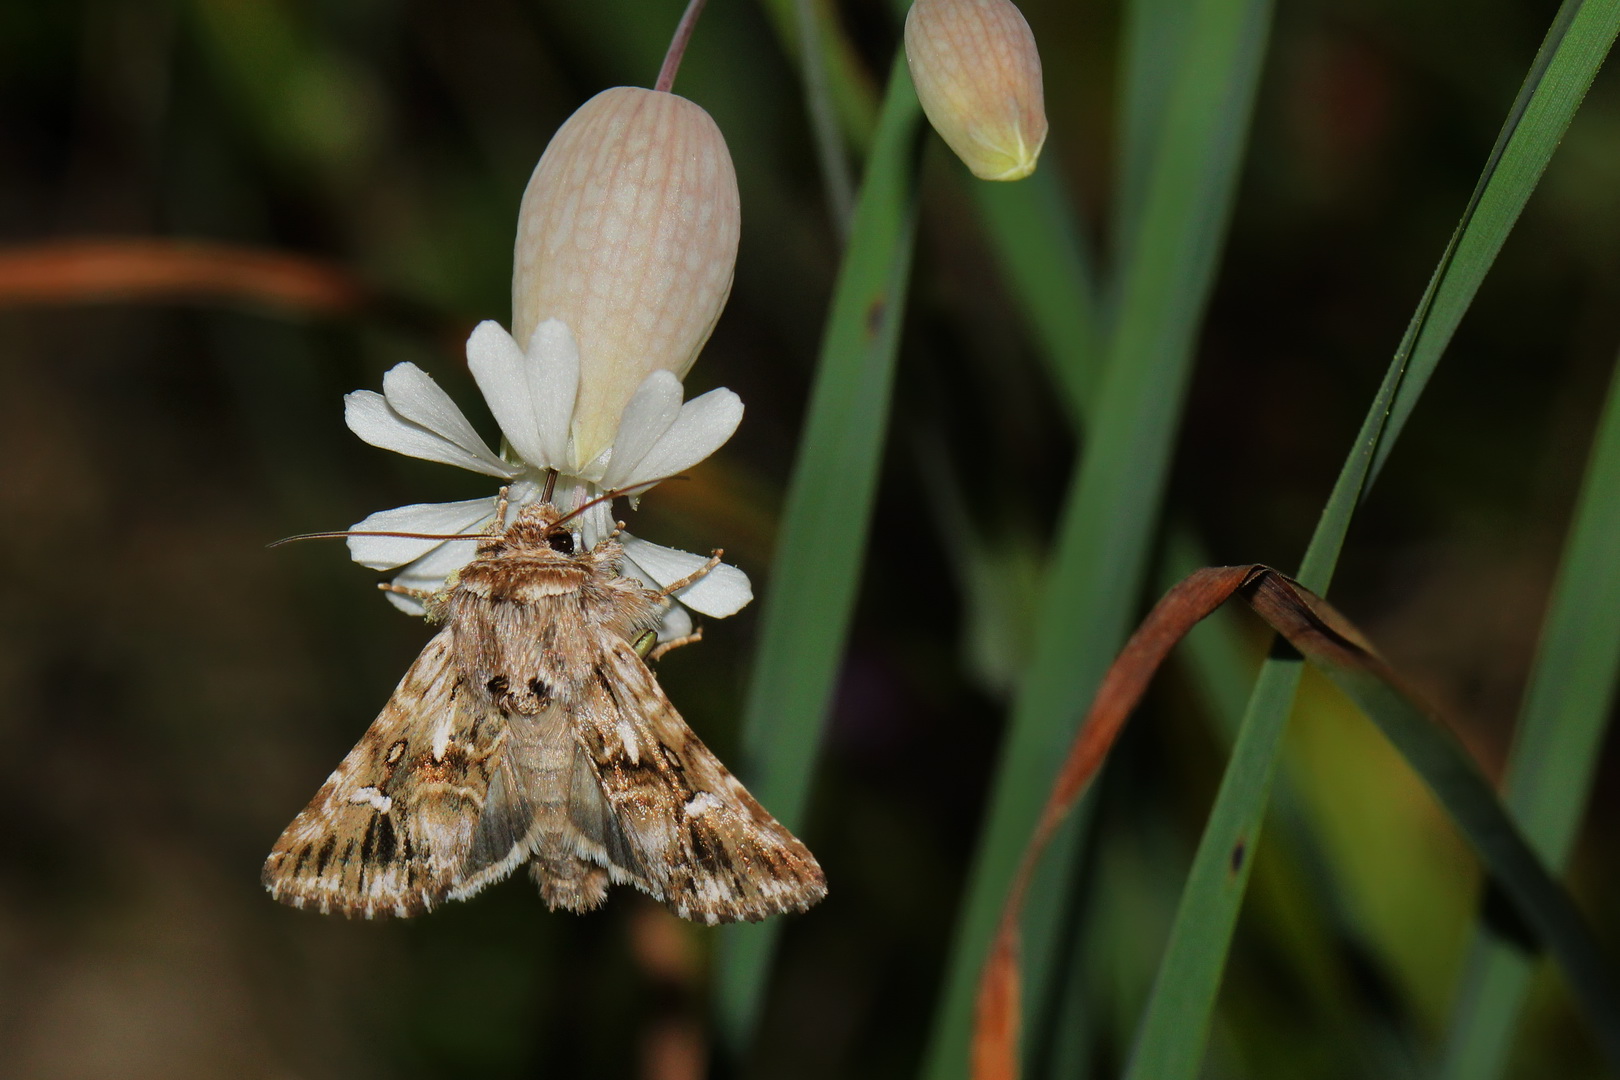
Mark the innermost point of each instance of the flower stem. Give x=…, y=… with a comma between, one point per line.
x=677, y=46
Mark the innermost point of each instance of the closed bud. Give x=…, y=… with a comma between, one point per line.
x=978, y=77
x=627, y=234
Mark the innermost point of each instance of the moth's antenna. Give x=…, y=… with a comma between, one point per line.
x=397, y=535
x=551, y=480
x=609, y=496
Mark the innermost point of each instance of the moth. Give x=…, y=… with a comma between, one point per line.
x=531, y=731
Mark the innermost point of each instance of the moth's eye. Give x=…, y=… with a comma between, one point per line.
x=561, y=541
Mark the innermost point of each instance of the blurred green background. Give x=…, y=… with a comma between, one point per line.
x=173, y=693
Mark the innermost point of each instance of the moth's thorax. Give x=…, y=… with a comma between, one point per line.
x=519, y=577
x=533, y=615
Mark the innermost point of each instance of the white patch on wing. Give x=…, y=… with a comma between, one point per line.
x=370, y=796
x=627, y=736
x=702, y=803
x=441, y=734
x=773, y=886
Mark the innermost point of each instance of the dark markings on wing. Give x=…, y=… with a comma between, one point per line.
x=391, y=830
x=709, y=850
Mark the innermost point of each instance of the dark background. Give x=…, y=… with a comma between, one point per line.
x=171, y=693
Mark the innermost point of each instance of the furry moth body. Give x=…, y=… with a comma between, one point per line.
x=530, y=731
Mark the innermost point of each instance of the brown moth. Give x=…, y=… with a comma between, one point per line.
x=531, y=731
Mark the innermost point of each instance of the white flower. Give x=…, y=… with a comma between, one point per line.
x=532, y=394
x=628, y=233
x=626, y=246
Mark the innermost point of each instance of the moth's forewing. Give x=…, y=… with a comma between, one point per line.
x=392, y=829
x=711, y=852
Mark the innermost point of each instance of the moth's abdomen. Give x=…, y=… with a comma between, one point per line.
x=569, y=882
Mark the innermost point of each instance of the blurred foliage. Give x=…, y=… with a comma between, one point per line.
x=174, y=693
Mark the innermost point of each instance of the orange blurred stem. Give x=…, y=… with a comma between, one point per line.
x=677, y=46
x=162, y=270
x=79, y=271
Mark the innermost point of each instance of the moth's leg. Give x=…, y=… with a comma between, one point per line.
x=659, y=651
x=423, y=595
x=500, y=512
x=678, y=585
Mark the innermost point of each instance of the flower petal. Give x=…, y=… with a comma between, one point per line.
x=369, y=416
x=412, y=393
x=387, y=552
x=703, y=426
x=554, y=377
x=722, y=591
x=528, y=395
x=677, y=623
x=648, y=416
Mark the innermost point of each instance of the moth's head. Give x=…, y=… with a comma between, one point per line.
x=541, y=526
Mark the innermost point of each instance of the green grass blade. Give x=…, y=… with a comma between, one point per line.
x=828, y=513
x=1564, y=66
x=1462, y=789
x=1111, y=513
x=1438, y=757
x=1044, y=262
x=1040, y=253
x=1561, y=728
x=1223, y=665
x=837, y=178
x=1155, y=36
x=850, y=95
x=1171, y=1038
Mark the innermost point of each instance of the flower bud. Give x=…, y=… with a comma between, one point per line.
x=628, y=234
x=978, y=77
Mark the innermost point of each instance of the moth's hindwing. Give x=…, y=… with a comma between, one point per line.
x=394, y=829
x=560, y=821
x=708, y=849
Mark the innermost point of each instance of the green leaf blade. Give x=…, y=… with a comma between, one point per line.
x=1111, y=511
x=1171, y=1038
x=1550, y=771
x=816, y=570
